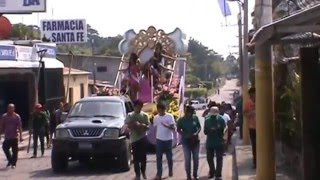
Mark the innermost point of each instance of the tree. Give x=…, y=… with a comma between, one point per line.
x=100, y=45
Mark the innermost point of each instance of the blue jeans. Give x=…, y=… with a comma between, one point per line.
x=164, y=147
x=188, y=151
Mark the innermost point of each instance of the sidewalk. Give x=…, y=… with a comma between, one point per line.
x=243, y=158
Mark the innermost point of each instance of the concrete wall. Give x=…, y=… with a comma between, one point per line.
x=86, y=63
x=75, y=84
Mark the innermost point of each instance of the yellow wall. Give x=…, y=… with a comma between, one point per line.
x=75, y=84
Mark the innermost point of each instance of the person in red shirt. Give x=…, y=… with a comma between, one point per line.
x=10, y=124
x=250, y=113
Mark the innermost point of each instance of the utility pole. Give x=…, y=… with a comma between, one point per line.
x=244, y=62
x=245, y=71
x=240, y=42
x=264, y=97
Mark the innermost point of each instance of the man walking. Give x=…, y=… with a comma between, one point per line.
x=138, y=123
x=214, y=129
x=189, y=128
x=10, y=124
x=38, y=125
x=165, y=126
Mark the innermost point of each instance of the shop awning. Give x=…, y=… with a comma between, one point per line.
x=50, y=63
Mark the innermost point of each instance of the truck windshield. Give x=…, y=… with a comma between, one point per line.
x=97, y=109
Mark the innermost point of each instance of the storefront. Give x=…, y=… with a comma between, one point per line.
x=24, y=80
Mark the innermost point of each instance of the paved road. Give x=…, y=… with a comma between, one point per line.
x=40, y=168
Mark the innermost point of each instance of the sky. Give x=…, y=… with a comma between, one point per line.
x=199, y=19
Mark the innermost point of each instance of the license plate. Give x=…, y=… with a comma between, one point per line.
x=85, y=145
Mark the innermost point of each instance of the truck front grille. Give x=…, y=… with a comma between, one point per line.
x=86, y=132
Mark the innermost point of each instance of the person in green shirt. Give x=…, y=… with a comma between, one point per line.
x=38, y=125
x=48, y=116
x=138, y=123
x=214, y=129
x=189, y=127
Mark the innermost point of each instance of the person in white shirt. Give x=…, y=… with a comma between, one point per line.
x=165, y=126
x=227, y=120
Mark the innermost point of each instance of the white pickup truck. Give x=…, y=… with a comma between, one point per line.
x=198, y=105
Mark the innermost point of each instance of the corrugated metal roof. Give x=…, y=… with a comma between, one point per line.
x=304, y=17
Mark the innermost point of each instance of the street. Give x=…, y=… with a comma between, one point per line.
x=40, y=168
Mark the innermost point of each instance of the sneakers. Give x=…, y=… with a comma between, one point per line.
x=13, y=166
x=34, y=156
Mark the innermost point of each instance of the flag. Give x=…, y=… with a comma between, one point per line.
x=224, y=7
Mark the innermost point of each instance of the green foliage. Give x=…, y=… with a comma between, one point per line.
x=191, y=79
x=208, y=65
x=195, y=92
x=96, y=44
x=208, y=84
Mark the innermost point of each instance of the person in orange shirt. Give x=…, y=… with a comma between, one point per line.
x=250, y=113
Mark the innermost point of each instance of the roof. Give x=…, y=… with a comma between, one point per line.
x=74, y=71
x=105, y=98
x=50, y=63
x=85, y=55
x=301, y=22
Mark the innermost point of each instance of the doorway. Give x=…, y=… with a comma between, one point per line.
x=16, y=92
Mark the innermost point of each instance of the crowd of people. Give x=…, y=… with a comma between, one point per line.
x=42, y=126
x=219, y=125
x=218, y=119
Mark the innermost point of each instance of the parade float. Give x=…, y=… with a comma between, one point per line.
x=152, y=69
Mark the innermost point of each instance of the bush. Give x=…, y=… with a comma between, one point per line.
x=208, y=84
x=195, y=92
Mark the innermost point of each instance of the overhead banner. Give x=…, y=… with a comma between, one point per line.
x=224, y=7
x=22, y=6
x=7, y=52
x=64, y=31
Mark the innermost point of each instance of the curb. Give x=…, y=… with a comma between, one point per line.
x=235, y=175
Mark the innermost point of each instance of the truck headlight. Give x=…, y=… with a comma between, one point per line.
x=62, y=133
x=111, y=133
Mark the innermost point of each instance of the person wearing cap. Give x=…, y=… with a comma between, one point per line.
x=189, y=127
x=10, y=124
x=37, y=127
x=138, y=123
x=214, y=129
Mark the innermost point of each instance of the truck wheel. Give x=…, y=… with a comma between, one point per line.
x=59, y=161
x=125, y=158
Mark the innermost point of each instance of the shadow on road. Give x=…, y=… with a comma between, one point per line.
x=76, y=169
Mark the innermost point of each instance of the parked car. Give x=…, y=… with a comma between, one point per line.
x=198, y=105
x=93, y=130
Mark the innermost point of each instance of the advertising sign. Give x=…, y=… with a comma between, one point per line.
x=24, y=53
x=64, y=31
x=22, y=6
x=51, y=50
x=7, y=52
